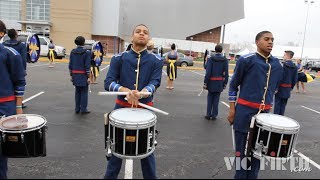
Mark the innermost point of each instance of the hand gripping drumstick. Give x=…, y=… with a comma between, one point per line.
x=151, y=108
x=121, y=93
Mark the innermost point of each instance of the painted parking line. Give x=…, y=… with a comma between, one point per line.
x=295, y=151
x=307, y=159
x=128, y=170
x=28, y=99
x=104, y=68
x=311, y=109
x=38, y=65
x=197, y=73
x=164, y=72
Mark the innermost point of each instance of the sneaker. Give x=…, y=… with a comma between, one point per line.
x=207, y=117
x=86, y=112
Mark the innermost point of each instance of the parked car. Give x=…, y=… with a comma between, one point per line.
x=183, y=60
x=315, y=67
x=44, y=42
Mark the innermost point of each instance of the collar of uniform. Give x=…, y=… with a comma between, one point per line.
x=263, y=55
x=142, y=52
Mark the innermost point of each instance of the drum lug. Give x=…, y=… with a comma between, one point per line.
x=22, y=138
x=108, y=148
x=40, y=133
x=4, y=137
x=259, y=149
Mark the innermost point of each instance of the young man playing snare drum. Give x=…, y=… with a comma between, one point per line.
x=258, y=75
x=11, y=87
x=134, y=71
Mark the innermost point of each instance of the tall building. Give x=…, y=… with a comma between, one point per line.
x=10, y=13
x=112, y=21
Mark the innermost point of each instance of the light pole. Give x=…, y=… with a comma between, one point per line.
x=305, y=26
x=191, y=38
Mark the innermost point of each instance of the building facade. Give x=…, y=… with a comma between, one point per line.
x=112, y=21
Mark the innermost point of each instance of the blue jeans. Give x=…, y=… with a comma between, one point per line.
x=148, y=166
x=240, y=140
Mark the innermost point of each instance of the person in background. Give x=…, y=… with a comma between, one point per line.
x=302, y=78
x=79, y=67
x=215, y=81
x=172, y=58
x=290, y=78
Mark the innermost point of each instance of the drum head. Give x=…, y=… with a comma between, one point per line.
x=277, y=121
x=132, y=116
x=22, y=122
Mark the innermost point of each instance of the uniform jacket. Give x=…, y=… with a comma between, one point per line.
x=12, y=77
x=122, y=72
x=79, y=66
x=289, y=80
x=217, y=74
x=251, y=74
x=21, y=48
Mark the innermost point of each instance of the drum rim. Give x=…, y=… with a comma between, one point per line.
x=121, y=156
x=24, y=130
x=278, y=128
x=119, y=123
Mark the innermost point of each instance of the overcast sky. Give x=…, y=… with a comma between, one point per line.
x=284, y=18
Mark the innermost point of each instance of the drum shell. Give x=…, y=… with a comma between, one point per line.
x=33, y=143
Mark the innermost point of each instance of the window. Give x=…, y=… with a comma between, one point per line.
x=42, y=41
x=38, y=10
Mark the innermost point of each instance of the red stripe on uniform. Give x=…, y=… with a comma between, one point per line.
x=78, y=72
x=286, y=85
x=217, y=78
x=126, y=104
x=253, y=104
x=7, y=99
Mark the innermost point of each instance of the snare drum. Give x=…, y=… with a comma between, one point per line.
x=23, y=136
x=130, y=133
x=274, y=136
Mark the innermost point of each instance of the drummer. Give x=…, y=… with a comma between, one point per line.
x=134, y=71
x=258, y=75
x=11, y=87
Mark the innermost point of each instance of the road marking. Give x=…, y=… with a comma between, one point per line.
x=104, y=68
x=38, y=65
x=311, y=109
x=26, y=100
x=225, y=104
x=128, y=169
x=307, y=159
x=164, y=72
x=197, y=73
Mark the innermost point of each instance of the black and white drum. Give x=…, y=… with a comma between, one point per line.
x=130, y=133
x=23, y=136
x=274, y=136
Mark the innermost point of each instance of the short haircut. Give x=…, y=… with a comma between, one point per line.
x=218, y=48
x=140, y=25
x=79, y=41
x=173, y=46
x=260, y=34
x=290, y=53
x=12, y=33
x=3, y=27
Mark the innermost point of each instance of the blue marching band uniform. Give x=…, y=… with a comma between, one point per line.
x=135, y=71
x=290, y=78
x=12, y=85
x=21, y=47
x=216, y=79
x=79, y=67
x=262, y=76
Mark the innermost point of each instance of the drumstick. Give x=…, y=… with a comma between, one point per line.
x=151, y=108
x=121, y=93
x=233, y=142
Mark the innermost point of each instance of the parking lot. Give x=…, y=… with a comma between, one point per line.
x=189, y=146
